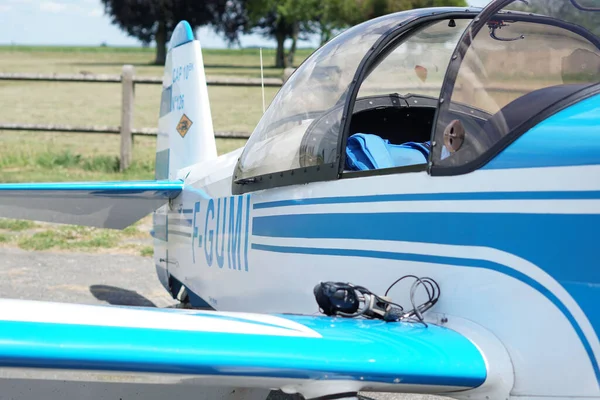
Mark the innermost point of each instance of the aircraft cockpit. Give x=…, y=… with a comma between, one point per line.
x=428, y=90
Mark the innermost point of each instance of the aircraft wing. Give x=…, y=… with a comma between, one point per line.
x=295, y=353
x=101, y=204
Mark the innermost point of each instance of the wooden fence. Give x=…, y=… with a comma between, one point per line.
x=128, y=81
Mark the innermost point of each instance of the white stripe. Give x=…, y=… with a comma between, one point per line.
x=500, y=180
x=443, y=206
x=177, y=320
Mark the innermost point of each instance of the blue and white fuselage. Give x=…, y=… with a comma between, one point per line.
x=499, y=205
x=497, y=246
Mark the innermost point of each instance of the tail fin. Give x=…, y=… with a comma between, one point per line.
x=185, y=130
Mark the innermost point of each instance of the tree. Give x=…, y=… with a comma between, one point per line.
x=334, y=16
x=293, y=19
x=278, y=19
x=154, y=20
x=369, y=9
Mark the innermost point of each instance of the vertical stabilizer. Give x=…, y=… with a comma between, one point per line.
x=185, y=130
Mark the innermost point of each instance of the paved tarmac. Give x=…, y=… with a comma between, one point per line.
x=81, y=278
x=96, y=279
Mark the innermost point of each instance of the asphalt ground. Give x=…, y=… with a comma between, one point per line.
x=117, y=279
x=82, y=278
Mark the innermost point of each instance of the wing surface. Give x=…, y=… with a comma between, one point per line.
x=101, y=204
x=272, y=351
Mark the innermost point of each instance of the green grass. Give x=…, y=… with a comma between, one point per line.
x=147, y=251
x=110, y=60
x=70, y=237
x=56, y=157
x=15, y=224
x=43, y=156
x=76, y=49
x=207, y=52
x=233, y=108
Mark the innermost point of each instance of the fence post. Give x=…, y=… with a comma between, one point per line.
x=127, y=116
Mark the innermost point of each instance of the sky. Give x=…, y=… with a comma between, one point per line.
x=83, y=22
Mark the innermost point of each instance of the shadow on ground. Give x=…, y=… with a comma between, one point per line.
x=119, y=297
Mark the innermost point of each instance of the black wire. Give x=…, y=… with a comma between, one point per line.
x=398, y=280
x=433, y=293
x=417, y=278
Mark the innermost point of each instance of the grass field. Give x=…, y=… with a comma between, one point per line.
x=43, y=156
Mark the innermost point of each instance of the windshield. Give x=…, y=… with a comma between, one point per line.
x=416, y=65
x=318, y=86
x=517, y=65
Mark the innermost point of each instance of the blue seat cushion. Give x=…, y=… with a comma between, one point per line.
x=366, y=152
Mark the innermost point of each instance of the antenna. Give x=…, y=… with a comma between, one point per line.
x=262, y=80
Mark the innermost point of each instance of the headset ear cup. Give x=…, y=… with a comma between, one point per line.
x=336, y=297
x=323, y=300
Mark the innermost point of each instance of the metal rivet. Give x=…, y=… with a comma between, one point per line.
x=454, y=57
x=433, y=143
x=441, y=100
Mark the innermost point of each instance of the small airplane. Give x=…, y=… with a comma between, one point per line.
x=415, y=212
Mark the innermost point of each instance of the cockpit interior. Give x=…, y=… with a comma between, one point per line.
x=394, y=130
x=424, y=91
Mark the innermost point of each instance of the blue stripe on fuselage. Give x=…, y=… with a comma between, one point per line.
x=562, y=245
